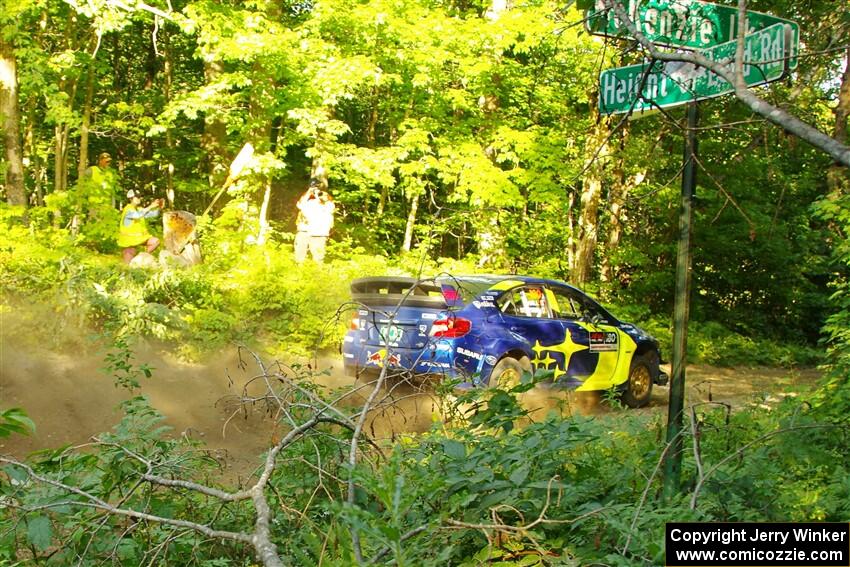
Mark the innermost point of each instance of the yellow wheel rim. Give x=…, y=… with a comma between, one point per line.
x=508, y=378
x=639, y=381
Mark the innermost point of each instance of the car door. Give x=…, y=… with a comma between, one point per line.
x=595, y=344
x=525, y=314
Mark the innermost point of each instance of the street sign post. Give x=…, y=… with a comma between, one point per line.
x=638, y=88
x=770, y=46
x=690, y=24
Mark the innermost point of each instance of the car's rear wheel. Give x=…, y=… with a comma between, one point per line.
x=638, y=388
x=508, y=372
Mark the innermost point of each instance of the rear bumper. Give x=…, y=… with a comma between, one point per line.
x=436, y=358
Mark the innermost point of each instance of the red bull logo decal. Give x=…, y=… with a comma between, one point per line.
x=378, y=358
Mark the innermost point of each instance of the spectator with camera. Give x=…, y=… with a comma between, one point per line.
x=315, y=220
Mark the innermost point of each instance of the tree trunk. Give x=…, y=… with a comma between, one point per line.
x=168, y=71
x=588, y=224
x=371, y=126
x=10, y=121
x=36, y=170
x=264, y=214
x=621, y=187
x=588, y=229
x=571, y=226
x=60, y=161
x=616, y=197
x=382, y=201
x=86, y=124
x=214, y=139
x=318, y=171
x=148, y=171
x=491, y=240
x=837, y=178
x=62, y=130
x=411, y=222
x=842, y=110
x=62, y=135
x=372, y=122
x=620, y=190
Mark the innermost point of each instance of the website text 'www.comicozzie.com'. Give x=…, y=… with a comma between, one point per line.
x=758, y=544
x=780, y=555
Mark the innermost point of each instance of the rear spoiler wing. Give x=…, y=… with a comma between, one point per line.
x=389, y=291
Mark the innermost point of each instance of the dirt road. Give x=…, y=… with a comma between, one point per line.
x=71, y=398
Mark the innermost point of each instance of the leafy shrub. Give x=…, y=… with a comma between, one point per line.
x=712, y=343
x=494, y=485
x=245, y=292
x=15, y=420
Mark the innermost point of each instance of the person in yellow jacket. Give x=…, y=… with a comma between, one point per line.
x=100, y=184
x=133, y=230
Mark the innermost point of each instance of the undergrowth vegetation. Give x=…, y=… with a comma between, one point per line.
x=491, y=484
x=247, y=294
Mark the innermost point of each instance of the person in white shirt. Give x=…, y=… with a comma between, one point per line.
x=314, y=223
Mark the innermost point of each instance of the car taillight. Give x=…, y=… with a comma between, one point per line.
x=355, y=324
x=451, y=328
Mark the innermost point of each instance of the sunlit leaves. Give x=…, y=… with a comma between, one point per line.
x=338, y=78
x=316, y=123
x=475, y=177
x=365, y=166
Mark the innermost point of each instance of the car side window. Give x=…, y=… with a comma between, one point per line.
x=564, y=305
x=526, y=301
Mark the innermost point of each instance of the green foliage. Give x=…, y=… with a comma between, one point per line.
x=15, y=420
x=713, y=343
x=241, y=293
x=255, y=294
x=472, y=131
x=491, y=485
x=64, y=530
x=119, y=364
x=466, y=128
x=834, y=394
x=589, y=475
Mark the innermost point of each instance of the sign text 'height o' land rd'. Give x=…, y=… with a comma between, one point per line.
x=638, y=87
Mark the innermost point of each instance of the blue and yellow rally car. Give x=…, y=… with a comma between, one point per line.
x=489, y=330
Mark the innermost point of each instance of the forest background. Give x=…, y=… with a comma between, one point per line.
x=455, y=136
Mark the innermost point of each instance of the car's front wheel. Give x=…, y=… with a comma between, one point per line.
x=638, y=389
x=508, y=372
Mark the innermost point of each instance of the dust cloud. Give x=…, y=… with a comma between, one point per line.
x=56, y=373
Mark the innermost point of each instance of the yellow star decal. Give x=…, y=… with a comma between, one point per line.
x=567, y=348
x=544, y=362
x=538, y=348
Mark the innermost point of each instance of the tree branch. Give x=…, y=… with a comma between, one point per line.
x=838, y=151
x=755, y=441
x=95, y=502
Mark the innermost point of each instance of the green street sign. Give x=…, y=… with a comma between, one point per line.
x=684, y=23
x=637, y=88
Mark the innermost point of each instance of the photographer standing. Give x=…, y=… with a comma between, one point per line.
x=314, y=223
